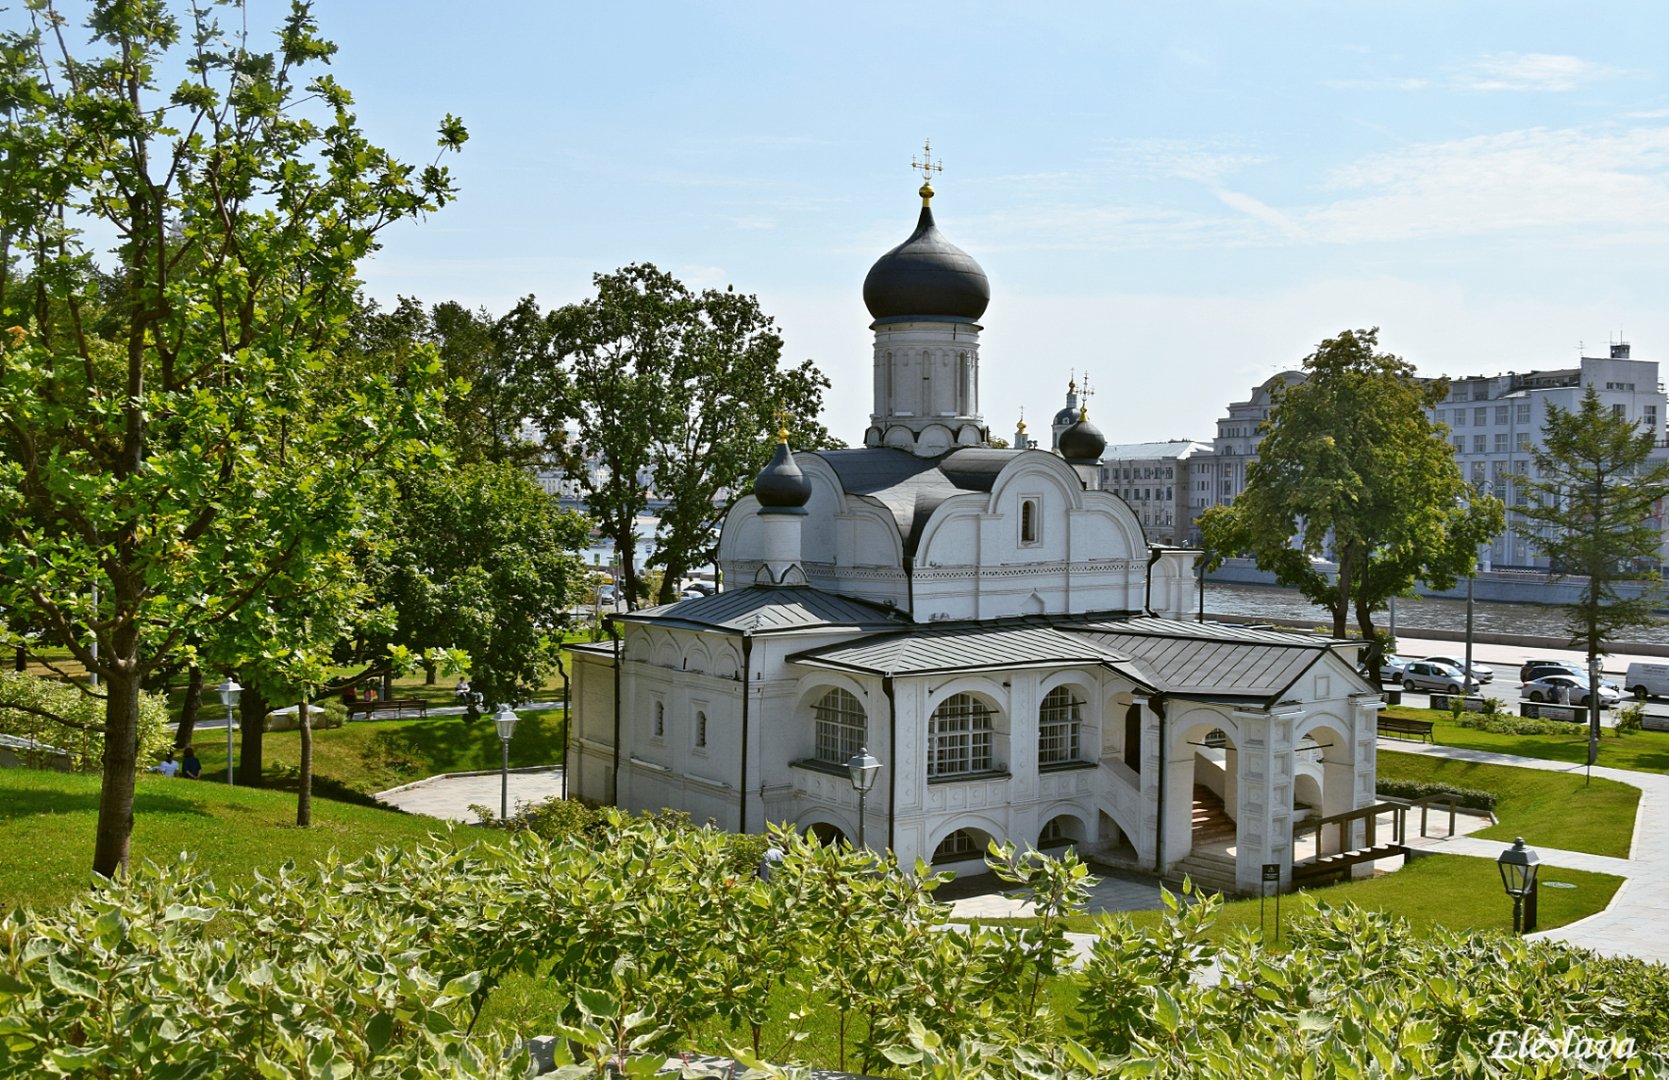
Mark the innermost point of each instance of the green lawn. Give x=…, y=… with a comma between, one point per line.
x=1454, y=891
x=1548, y=809
x=1644, y=751
x=48, y=819
x=364, y=757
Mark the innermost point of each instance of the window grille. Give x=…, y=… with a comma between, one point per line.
x=841, y=729
x=1059, y=727
x=1028, y=521
x=660, y=720
x=700, y=730
x=959, y=737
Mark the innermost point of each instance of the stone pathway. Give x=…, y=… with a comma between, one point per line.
x=450, y=796
x=1636, y=923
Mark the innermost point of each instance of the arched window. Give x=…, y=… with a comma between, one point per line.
x=1059, y=724
x=660, y=720
x=841, y=731
x=1028, y=521
x=959, y=737
x=959, y=845
x=701, y=730
x=1133, y=737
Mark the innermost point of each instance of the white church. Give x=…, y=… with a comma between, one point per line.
x=990, y=625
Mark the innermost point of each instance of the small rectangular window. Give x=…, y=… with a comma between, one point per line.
x=1480, y=416
x=1028, y=521
x=1619, y=411
x=1501, y=413
x=1524, y=413
x=1479, y=444
x=1500, y=442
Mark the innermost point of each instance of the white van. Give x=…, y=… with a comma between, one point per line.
x=1647, y=680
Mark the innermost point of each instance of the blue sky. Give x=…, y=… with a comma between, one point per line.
x=1179, y=199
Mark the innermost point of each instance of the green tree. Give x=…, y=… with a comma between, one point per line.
x=1593, y=505
x=483, y=561
x=176, y=442
x=1351, y=464
x=668, y=390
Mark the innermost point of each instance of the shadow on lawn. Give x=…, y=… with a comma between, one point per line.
x=26, y=803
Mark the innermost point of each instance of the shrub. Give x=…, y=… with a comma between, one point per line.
x=1419, y=789
x=55, y=714
x=1629, y=719
x=1515, y=725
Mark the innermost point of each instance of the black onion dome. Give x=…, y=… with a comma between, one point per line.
x=1082, y=442
x=781, y=485
x=926, y=275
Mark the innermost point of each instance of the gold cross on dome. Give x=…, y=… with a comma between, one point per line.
x=927, y=165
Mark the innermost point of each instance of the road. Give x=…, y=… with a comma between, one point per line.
x=1505, y=659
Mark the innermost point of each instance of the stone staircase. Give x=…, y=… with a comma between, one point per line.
x=1209, y=864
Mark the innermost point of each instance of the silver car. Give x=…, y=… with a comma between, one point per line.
x=1426, y=675
x=1479, y=671
x=1562, y=688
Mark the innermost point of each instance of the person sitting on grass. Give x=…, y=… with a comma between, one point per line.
x=168, y=766
x=191, y=768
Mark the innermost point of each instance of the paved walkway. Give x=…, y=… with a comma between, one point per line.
x=450, y=797
x=1636, y=923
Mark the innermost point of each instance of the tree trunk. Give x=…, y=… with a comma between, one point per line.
x=20, y=660
x=252, y=719
x=121, y=762
x=192, y=707
x=428, y=673
x=304, y=789
x=1372, y=655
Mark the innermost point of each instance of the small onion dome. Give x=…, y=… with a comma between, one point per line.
x=1082, y=443
x=926, y=275
x=781, y=486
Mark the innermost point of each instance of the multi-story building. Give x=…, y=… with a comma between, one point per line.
x=1216, y=476
x=1496, y=421
x=1153, y=478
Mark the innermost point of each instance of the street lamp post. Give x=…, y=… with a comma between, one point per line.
x=505, y=718
x=229, y=691
x=863, y=769
x=1518, y=865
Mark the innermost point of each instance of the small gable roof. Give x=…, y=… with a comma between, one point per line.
x=770, y=609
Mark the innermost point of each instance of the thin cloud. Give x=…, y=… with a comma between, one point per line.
x=1546, y=72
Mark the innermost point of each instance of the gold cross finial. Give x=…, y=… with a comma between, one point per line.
x=928, y=167
x=782, y=424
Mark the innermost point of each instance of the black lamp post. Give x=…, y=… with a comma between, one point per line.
x=229, y=691
x=1518, y=865
x=863, y=769
x=505, y=718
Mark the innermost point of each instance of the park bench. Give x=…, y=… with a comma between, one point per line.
x=397, y=706
x=1397, y=727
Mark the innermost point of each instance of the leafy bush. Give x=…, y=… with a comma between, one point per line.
x=323, y=715
x=1419, y=789
x=1629, y=719
x=380, y=967
x=55, y=714
x=1515, y=725
x=558, y=819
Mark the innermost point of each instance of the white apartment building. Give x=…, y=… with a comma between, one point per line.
x=1217, y=475
x=1153, y=478
x=1495, y=421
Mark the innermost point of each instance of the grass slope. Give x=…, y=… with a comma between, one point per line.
x=1548, y=809
x=365, y=757
x=48, y=819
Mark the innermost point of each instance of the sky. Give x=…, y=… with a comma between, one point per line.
x=1178, y=199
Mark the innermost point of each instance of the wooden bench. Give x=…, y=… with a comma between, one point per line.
x=1400, y=728
x=397, y=706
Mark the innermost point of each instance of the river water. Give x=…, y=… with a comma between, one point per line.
x=1413, y=613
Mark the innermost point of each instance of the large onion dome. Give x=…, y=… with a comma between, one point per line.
x=1082, y=443
x=926, y=275
x=781, y=486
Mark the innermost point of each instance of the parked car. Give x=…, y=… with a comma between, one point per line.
x=692, y=594
x=1390, y=667
x=1535, y=669
x=607, y=594
x=1647, y=680
x=1444, y=678
x=1479, y=671
x=1555, y=688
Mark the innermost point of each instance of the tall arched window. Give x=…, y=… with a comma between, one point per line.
x=959, y=737
x=660, y=719
x=1059, y=724
x=1028, y=521
x=841, y=730
x=700, y=731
